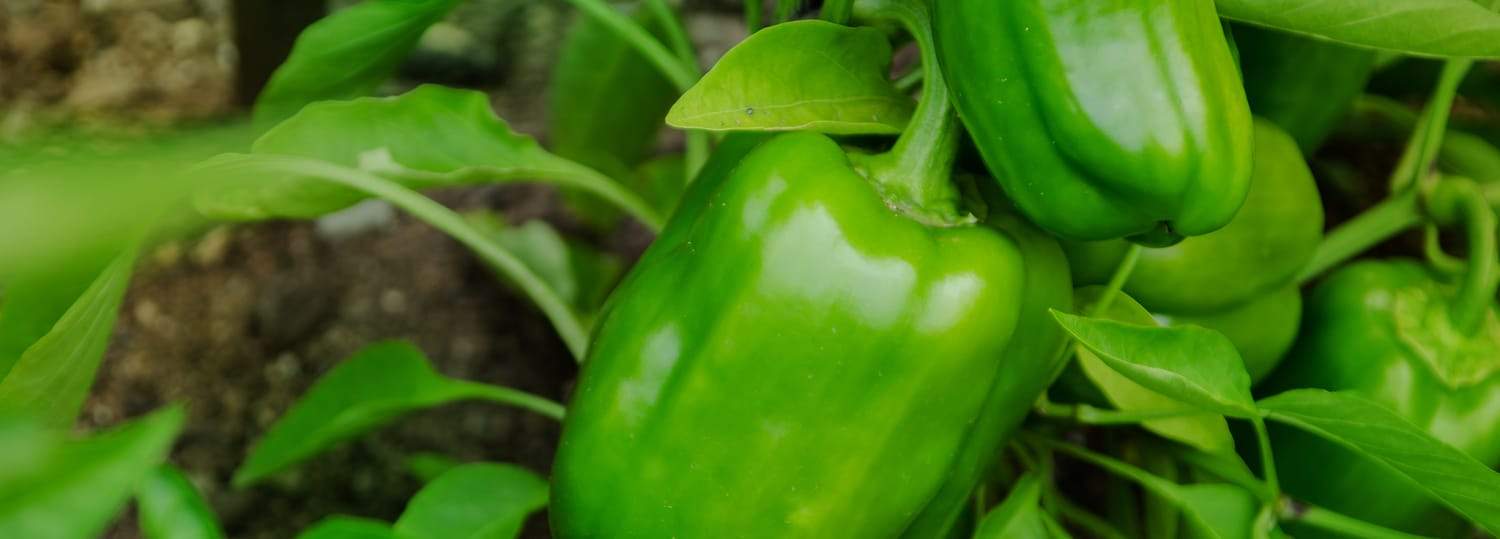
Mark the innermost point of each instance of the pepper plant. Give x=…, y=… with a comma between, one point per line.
x=1065, y=269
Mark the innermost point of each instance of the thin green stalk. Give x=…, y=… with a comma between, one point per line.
x=1116, y=281
x=1267, y=461
x=517, y=398
x=570, y=175
x=1089, y=522
x=754, y=11
x=1341, y=525
x=563, y=319
x=1091, y=415
x=1390, y=217
x=671, y=66
x=786, y=9
x=676, y=35
x=909, y=82
x=1458, y=201
x=1427, y=139
x=916, y=174
x=696, y=142
x=836, y=11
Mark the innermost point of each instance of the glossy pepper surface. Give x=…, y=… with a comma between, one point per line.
x=1380, y=328
x=1259, y=251
x=1104, y=118
x=792, y=358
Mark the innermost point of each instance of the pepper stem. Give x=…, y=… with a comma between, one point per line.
x=1456, y=200
x=915, y=176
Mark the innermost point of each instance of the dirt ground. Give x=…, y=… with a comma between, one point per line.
x=239, y=323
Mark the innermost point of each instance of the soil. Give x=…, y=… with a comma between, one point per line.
x=239, y=323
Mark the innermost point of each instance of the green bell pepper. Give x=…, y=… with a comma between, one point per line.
x=1370, y=328
x=1303, y=85
x=1239, y=279
x=1103, y=119
x=1262, y=329
x=819, y=371
x=1402, y=335
x=813, y=347
x=1260, y=250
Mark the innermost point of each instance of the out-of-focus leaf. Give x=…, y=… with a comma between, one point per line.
x=474, y=501
x=1447, y=28
x=802, y=75
x=379, y=384
x=171, y=508
x=347, y=54
x=429, y=137
x=1196, y=366
x=35, y=301
x=70, y=489
x=344, y=527
x=428, y=466
x=1208, y=432
x=1449, y=475
x=51, y=379
x=1020, y=515
x=1212, y=510
x=579, y=273
x=606, y=103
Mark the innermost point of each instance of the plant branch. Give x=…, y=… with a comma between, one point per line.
x=563, y=319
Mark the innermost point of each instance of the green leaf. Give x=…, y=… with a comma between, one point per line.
x=606, y=102
x=1188, y=363
x=67, y=489
x=52, y=378
x=35, y=301
x=1209, y=432
x=426, y=138
x=1444, y=28
x=347, y=54
x=345, y=527
x=1212, y=510
x=474, y=501
x=376, y=386
x=171, y=508
x=1368, y=428
x=802, y=75
x=1219, y=510
x=579, y=273
x=428, y=466
x=1019, y=516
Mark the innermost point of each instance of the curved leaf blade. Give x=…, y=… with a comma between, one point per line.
x=429, y=137
x=1208, y=432
x=74, y=488
x=171, y=508
x=802, y=75
x=52, y=378
x=1449, y=475
x=474, y=501
x=1020, y=515
x=347, y=54
x=1438, y=28
x=345, y=527
x=606, y=102
x=376, y=386
x=1188, y=363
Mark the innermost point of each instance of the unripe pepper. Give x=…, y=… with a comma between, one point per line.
x=1103, y=119
x=819, y=344
x=1429, y=349
x=1239, y=279
x=1304, y=85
